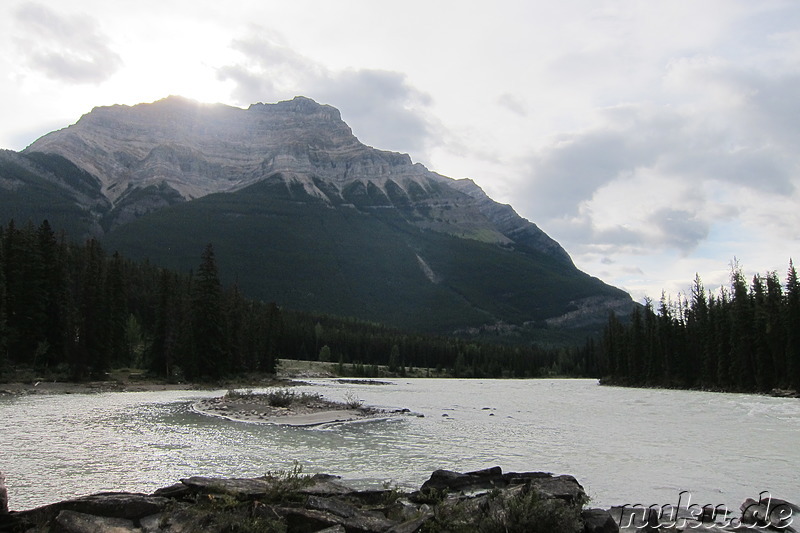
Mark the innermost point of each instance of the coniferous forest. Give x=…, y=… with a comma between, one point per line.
x=75, y=310
x=746, y=338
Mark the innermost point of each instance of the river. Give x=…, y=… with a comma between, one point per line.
x=624, y=445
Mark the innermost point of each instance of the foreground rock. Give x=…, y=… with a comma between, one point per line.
x=487, y=500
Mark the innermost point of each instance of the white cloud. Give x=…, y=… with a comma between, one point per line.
x=513, y=103
x=68, y=48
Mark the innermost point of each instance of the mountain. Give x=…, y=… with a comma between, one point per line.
x=302, y=213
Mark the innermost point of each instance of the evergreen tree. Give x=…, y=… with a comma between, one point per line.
x=665, y=345
x=117, y=317
x=165, y=334
x=92, y=356
x=614, y=348
x=207, y=320
x=741, y=363
x=792, y=314
x=652, y=366
x=26, y=301
x=238, y=353
x=762, y=358
x=775, y=329
x=722, y=339
x=267, y=359
x=703, y=362
x=325, y=353
x=394, y=358
x=54, y=289
x=635, y=348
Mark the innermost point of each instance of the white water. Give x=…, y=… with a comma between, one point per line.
x=623, y=445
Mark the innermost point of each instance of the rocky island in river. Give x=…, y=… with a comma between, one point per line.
x=286, y=407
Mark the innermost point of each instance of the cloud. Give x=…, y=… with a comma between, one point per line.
x=68, y=48
x=381, y=106
x=650, y=175
x=513, y=103
x=679, y=228
x=573, y=167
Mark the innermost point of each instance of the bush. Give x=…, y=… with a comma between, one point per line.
x=281, y=397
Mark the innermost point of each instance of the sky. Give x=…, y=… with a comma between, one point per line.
x=655, y=140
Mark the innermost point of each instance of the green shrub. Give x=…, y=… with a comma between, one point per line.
x=281, y=397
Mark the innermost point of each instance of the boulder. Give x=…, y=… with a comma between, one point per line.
x=598, y=521
x=562, y=487
x=3, y=495
x=75, y=522
x=123, y=505
x=412, y=525
x=117, y=505
x=301, y=520
x=242, y=488
x=321, y=503
x=768, y=512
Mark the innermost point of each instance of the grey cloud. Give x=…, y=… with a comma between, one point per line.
x=251, y=87
x=760, y=168
x=513, y=104
x=690, y=148
x=570, y=171
x=679, y=228
x=619, y=236
x=584, y=233
x=383, y=109
x=634, y=270
x=776, y=107
x=750, y=140
x=67, y=48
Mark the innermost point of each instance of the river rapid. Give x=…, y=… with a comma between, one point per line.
x=624, y=445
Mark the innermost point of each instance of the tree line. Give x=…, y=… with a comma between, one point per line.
x=743, y=338
x=74, y=310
